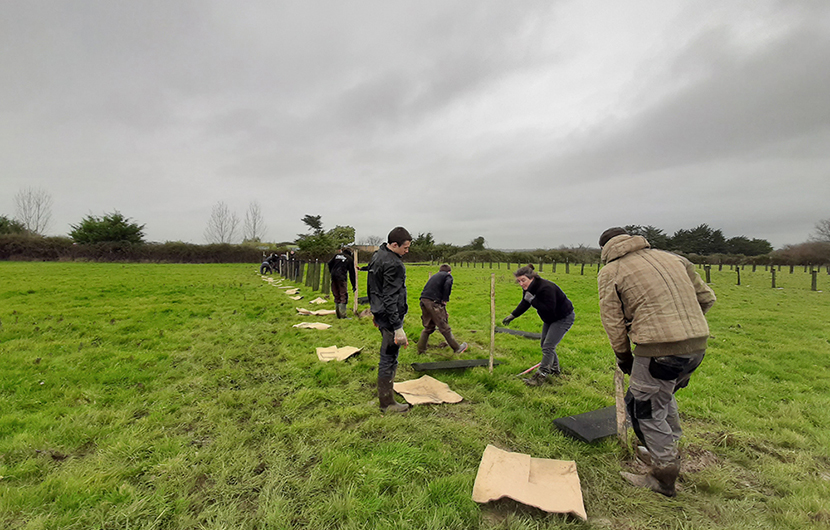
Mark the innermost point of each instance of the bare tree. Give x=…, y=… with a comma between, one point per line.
x=373, y=241
x=34, y=209
x=222, y=224
x=822, y=232
x=254, y=227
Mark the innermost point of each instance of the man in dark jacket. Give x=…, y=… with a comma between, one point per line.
x=341, y=266
x=655, y=301
x=386, y=286
x=433, y=303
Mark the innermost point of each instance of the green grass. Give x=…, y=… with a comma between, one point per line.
x=179, y=396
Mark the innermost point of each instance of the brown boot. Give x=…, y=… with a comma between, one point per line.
x=643, y=455
x=660, y=479
x=386, y=397
x=538, y=379
x=422, y=342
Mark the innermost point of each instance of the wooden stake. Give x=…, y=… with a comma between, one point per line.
x=619, y=384
x=354, y=294
x=492, y=318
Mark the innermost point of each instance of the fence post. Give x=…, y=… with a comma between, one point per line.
x=554, y=267
x=706, y=269
x=582, y=272
x=753, y=267
x=309, y=275
x=792, y=267
x=567, y=267
x=814, y=272
x=773, y=277
x=492, y=319
x=326, y=286
x=316, y=285
x=720, y=266
x=540, y=266
x=738, y=270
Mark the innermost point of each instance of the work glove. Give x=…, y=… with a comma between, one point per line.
x=625, y=361
x=400, y=338
x=508, y=319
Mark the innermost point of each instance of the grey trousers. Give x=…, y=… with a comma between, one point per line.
x=552, y=334
x=651, y=405
x=388, y=364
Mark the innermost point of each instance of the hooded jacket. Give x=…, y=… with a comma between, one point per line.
x=386, y=286
x=342, y=266
x=652, y=298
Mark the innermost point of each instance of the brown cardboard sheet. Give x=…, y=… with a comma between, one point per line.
x=550, y=485
x=333, y=353
x=426, y=390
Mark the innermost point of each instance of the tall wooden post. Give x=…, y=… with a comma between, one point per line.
x=738, y=270
x=773, y=277
x=619, y=399
x=706, y=269
x=492, y=318
x=354, y=293
x=814, y=272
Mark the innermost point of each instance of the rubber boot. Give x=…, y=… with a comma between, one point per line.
x=660, y=479
x=340, y=309
x=422, y=342
x=643, y=455
x=538, y=379
x=386, y=397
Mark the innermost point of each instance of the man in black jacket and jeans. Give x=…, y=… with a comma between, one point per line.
x=386, y=285
x=433, y=303
x=341, y=266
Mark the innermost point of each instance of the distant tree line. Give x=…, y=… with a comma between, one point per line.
x=115, y=237
x=701, y=240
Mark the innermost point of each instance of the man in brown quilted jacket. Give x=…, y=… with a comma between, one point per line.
x=655, y=301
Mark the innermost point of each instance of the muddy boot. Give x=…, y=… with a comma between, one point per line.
x=386, y=397
x=643, y=455
x=538, y=379
x=660, y=479
x=422, y=342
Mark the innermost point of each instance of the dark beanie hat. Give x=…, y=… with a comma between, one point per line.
x=608, y=234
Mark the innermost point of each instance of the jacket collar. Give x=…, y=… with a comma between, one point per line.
x=619, y=246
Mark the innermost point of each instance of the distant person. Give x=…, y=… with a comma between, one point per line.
x=340, y=267
x=656, y=301
x=386, y=286
x=266, y=268
x=433, y=303
x=556, y=312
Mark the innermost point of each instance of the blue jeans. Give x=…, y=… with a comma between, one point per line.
x=552, y=334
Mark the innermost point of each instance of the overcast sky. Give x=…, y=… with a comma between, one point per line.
x=533, y=124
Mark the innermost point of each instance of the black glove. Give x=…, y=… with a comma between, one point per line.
x=509, y=318
x=625, y=361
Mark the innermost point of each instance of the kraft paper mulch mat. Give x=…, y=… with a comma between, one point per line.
x=312, y=325
x=333, y=353
x=426, y=390
x=292, y=291
x=550, y=485
x=318, y=313
x=318, y=300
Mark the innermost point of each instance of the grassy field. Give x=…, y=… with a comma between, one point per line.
x=180, y=396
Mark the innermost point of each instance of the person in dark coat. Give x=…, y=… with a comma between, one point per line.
x=433, y=303
x=556, y=312
x=340, y=267
x=386, y=286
